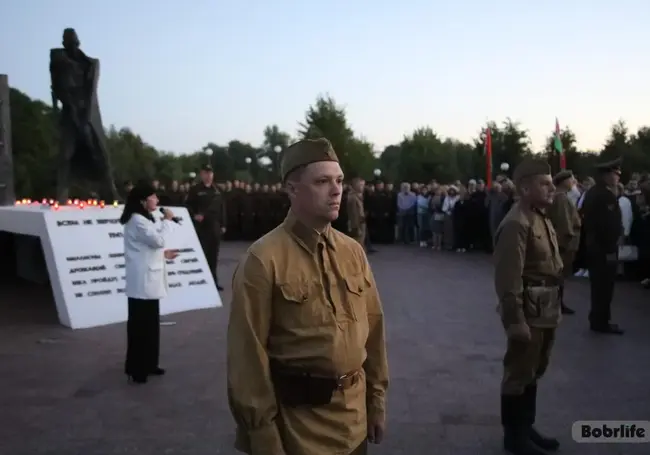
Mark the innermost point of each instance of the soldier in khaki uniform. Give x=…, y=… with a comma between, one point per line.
x=307, y=368
x=527, y=276
x=566, y=221
x=356, y=211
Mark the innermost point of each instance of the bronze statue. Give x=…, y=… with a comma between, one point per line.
x=83, y=150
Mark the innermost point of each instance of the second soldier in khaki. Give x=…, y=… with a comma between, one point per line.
x=566, y=221
x=356, y=211
x=528, y=273
x=307, y=368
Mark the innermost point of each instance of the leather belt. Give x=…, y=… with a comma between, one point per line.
x=342, y=382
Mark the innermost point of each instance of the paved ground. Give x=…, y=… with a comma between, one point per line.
x=63, y=392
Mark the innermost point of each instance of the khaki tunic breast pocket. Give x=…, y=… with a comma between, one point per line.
x=356, y=294
x=299, y=304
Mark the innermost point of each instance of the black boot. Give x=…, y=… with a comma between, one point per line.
x=516, y=433
x=544, y=442
x=567, y=310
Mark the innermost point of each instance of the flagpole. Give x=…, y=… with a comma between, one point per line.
x=557, y=144
x=488, y=158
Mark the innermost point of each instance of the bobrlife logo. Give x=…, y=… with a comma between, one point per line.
x=611, y=432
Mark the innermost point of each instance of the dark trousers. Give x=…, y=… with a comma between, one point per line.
x=210, y=242
x=366, y=242
x=602, y=277
x=142, y=337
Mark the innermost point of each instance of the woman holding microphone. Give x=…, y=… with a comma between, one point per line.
x=146, y=279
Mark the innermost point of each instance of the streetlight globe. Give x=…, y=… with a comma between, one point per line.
x=377, y=172
x=277, y=149
x=209, y=152
x=248, y=160
x=192, y=175
x=505, y=167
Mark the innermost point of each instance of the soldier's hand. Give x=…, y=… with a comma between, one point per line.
x=198, y=218
x=223, y=230
x=168, y=214
x=376, y=431
x=518, y=332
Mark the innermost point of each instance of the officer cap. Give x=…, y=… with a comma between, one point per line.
x=530, y=167
x=610, y=166
x=306, y=152
x=562, y=176
x=206, y=167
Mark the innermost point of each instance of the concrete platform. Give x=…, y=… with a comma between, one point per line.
x=62, y=392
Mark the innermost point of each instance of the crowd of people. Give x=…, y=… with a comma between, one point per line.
x=458, y=216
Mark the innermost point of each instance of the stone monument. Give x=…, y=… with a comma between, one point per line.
x=7, y=196
x=83, y=152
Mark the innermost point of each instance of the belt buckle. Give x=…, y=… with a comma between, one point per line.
x=340, y=380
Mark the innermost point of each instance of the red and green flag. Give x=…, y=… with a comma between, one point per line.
x=557, y=145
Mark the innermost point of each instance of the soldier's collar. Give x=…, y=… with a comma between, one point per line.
x=307, y=237
x=540, y=211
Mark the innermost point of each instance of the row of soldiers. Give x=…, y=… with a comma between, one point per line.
x=253, y=210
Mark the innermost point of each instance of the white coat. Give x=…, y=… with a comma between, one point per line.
x=144, y=260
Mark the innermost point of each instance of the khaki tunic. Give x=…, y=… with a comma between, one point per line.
x=308, y=301
x=356, y=217
x=526, y=257
x=566, y=221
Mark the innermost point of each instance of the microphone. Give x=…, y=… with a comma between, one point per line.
x=175, y=219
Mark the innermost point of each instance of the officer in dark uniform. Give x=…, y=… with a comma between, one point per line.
x=207, y=209
x=603, y=231
x=527, y=277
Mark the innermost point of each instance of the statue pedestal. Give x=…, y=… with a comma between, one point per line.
x=6, y=162
x=83, y=251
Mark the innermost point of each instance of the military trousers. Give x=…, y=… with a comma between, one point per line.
x=526, y=362
x=602, y=278
x=210, y=240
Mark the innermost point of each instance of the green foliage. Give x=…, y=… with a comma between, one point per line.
x=327, y=119
x=421, y=156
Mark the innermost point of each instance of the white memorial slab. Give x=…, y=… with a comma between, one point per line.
x=84, y=253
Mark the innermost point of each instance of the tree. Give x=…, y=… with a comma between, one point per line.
x=35, y=139
x=326, y=119
x=421, y=156
x=640, y=148
x=510, y=145
x=389, y=163
x=274, y=137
